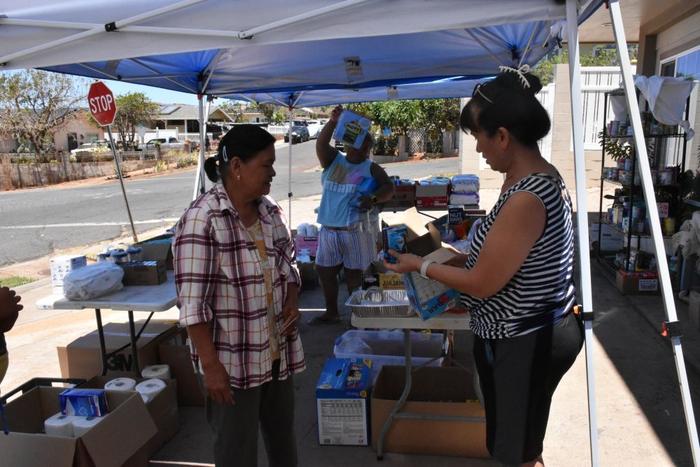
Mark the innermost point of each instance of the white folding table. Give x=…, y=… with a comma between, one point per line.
x=148, y=298
x=443, y=322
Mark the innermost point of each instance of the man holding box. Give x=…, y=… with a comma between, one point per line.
x=352, y=186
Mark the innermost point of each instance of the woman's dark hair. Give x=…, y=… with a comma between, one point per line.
x=506, y=102
x=243, y=142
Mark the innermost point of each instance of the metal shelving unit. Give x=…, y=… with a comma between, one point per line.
x=634, y=191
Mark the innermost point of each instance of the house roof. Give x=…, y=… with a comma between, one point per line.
x=190, y=112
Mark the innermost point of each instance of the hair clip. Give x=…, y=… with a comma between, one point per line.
x=224, y=155
x=518, y=71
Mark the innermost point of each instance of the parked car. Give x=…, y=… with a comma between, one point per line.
x=94, y=146
x=170, y=143
x=299, y=134
x=314, y=127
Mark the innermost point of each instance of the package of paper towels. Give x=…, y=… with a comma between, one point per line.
x=93, y=281
x=156, y=372
x=121, y=384
x=82, y=425
x=150, y=389
x=59, y=425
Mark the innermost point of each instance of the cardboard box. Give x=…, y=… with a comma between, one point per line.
x=308, y=243
x=611, y=239
x=431, y=195
x=428, y=297
x=390, y=281
x=158, y=249
x=342, y=405
x=175, y=353
x=441, y=391
x=81, y=358
x=60, y=266
x=631, y=283
x=115, y=441
x=162, y=409
x=404, y=197
x=144, y=272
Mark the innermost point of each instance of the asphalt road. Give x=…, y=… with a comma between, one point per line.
x=36, y=222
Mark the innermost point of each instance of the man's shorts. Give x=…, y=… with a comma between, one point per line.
x=353, y=248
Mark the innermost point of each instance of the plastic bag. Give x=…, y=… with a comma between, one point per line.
x=354, y=345
x=93, y=281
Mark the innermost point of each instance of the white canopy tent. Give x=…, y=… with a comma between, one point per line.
x=223, y=48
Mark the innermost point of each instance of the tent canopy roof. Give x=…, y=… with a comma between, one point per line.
x=223, y=48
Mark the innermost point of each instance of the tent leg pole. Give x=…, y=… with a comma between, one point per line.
x=289, y=174
x=582, y=221
x=659, y=248
x=199, y=176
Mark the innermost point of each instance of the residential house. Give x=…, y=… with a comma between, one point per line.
x=77, y=129
x=185, y=119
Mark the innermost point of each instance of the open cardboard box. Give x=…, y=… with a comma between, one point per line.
x=117, y=440
x=175, y=353
x=434, y=390
x=158, y=249
x=162, y=408
x=81, y=358
x=426, y=241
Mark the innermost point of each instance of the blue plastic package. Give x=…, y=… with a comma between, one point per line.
x=352, y=129
x=394, y=239
x=84, y=402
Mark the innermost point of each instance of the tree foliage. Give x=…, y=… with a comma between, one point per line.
x=134, y=109
x=432, y=115
x=235, y=110
x=268, y=110
x=599, y=56
x=35, y=104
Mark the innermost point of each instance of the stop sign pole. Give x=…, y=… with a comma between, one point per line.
x=103, y=109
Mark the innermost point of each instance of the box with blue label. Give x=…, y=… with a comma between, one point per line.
x=428, y=297
x=342, y=402
x=84, y=402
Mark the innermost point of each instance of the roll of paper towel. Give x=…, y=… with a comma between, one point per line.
x=121, y=384
x=59, y=425
x=150, y=388
x=156, y=371
x=82, y=425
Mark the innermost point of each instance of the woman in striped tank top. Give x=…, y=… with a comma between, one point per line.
x=517, y=280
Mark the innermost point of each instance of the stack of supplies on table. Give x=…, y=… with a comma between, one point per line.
x=465, y=190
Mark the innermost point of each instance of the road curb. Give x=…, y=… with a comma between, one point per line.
x=32, y=285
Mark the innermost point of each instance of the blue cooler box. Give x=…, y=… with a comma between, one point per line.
x=342, y=402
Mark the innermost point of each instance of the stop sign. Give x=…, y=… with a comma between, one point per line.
x=102, y=104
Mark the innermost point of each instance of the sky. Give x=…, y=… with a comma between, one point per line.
x=162, y=96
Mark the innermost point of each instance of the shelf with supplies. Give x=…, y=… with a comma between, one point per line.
x=632, y=246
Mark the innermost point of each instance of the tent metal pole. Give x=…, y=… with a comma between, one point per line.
x=298, y=18
x=582, y=221
x=100, y=29
x=289, y=169
x=199, y=178
x=671, y=324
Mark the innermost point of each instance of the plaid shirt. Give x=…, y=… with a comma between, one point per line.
x=220, y=280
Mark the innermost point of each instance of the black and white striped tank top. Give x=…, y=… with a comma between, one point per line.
x=542, y=290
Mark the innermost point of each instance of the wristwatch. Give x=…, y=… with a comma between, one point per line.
x=424, y=268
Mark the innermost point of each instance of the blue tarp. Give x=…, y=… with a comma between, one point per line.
x=380, y=61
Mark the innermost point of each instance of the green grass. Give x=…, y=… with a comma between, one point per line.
x=15, y=281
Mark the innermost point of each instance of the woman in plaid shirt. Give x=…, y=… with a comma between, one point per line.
x=237, y=293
